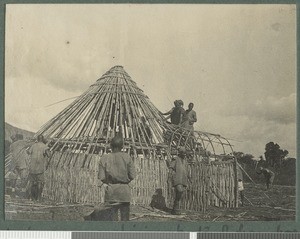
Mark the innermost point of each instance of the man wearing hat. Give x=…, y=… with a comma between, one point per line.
x=179, y=177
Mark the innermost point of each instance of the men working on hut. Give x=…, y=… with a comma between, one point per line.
x=39, y=156
x=20, y=160
x=179, y=177
x=117, y=171
x=189, y=118
x=176, y=113
x=269, y=176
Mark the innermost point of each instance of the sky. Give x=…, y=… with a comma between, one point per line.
x=236, y=63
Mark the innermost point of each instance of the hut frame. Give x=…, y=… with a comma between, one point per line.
x=81, y=133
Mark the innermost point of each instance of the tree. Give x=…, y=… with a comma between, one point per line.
x=244, y=158
x=274, y=154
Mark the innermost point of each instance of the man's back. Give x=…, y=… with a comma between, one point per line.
x=118, y=167
x=176, y=115
x=116, y=170
x=180, y=173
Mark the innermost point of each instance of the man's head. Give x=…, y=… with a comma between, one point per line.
x=181, y=151
x=117, y=143
x=176, y=103
x=159, y=191
x=40, y=138
x=13, y=138
x=191, y=106
x=19, y=136
x=180, y=103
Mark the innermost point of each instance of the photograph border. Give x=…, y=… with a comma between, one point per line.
x=230, y=226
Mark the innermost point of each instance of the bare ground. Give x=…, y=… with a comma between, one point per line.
x=276, y=204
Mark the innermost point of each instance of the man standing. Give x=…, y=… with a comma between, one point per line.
x=39, y=155
x=20, y=160
x=176, y=113
x=179, y=178
x=117, y=171
x=269, y=176
x=189, y=118
x=241, y=191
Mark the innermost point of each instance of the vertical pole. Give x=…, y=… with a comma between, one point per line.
x=236, y=192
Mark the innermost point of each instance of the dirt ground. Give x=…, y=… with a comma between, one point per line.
x=276, y=204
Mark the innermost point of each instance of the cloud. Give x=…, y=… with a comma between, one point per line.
x=259, y=133
x=26, y=104
x=237, y=63
x=280, y=110
x=250, y=135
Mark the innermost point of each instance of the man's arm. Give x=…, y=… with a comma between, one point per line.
x=101, y=172
x=270, y=172
x=194, y=117
x=131, y=170
x=172, y=164
x=47, y=153
x=169, y=112
x=168, y=117
x=29, y=150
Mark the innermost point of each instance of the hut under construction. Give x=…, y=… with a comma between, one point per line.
x=81, y=133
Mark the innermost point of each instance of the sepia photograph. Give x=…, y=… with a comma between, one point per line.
x=150, y=112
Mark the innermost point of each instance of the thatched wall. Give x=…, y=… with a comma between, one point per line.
x=72, y=177
x=211, y=184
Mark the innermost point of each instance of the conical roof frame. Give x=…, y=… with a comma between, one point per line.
x=113, y=104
